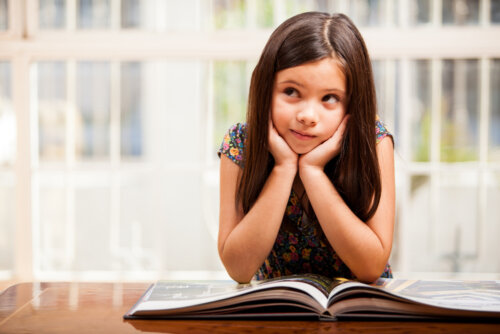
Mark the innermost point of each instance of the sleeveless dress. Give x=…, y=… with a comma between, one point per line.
x=301, y=246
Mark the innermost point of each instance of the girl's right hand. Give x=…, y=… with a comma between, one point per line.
x=282, y=153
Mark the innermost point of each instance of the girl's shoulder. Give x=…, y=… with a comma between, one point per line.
x=233, y=144
x=381, y=130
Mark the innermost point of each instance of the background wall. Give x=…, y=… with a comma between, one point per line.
x=111, y=113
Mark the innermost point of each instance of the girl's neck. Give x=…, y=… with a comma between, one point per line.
x=300, y=192
x=298, y=187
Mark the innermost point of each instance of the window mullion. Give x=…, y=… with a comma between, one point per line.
x=115, y=107
x=390, y=92
x=484, y=13
x=115, y=14
x=115, y=156
x=436, y=13
x=210, y=119
x=484, y=171
x=70, y=160
x=23, y=262
x=436, y=94
x=71, y=15
x=484, y=107
x=29, y=15
x=405, y=227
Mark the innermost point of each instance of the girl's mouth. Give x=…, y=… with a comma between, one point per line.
x=302, y=136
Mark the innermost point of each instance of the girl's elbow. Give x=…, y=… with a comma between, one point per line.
x=370, y=273
x=235, y=270
x=242, y=279
x=368, y=277
x=239, y=276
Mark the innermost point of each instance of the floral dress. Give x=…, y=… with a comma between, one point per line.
x=301, y=246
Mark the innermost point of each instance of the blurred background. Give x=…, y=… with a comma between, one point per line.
x=111, y=113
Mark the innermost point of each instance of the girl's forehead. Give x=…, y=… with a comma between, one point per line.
x=324, y=72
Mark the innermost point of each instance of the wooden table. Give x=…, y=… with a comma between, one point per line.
x=99, y=307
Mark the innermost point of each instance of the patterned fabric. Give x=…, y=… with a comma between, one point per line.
x=301, y=246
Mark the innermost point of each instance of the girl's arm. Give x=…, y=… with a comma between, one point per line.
x=364, y=247
x=245, y=241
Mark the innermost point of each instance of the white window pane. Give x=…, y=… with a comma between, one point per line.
x=92, y=229
x=131, y=13
x=386, y=79
x=184, y=222
x=265, y=14
x=495, y=11
x=162, y=110
x=420, y=11
x=419, y=224
x=93, y=110
x=456, y=226
x=93, y=14
x=461, y=12
x=231, y=81
x=373, y=12
x=131, y=109
x=4, y=14
x=494, y=131
x=7, y=221
x=491, y=225
x=142, y=235
x=230, y=14
x=7, y=117
x=420, y=99
x=327, y=6
x=184, y=95
x=53, y=238
x=176, y=18
x=164, y=230
x=52, y=14
x=460, y=110
x=164, y=15
x=51, y=102
x=294, y=7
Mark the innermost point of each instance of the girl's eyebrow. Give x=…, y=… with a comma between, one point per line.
x=292, y=82
x=301, y=85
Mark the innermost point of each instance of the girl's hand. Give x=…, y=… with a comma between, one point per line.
x=282, y=153
x=326, y=151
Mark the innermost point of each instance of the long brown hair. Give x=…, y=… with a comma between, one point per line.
x=301, y=39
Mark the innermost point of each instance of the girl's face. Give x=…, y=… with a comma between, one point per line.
x=308, y=103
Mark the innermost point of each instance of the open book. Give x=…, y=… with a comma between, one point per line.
x=317, y=296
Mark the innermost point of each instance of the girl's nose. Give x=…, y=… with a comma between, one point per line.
x=308, y=115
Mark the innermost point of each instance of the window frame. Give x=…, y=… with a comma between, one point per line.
x=23, y=45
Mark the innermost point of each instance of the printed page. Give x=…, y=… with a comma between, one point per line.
x=453, y=294
x=462, y=295
x=173, y=295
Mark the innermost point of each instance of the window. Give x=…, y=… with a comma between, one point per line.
x=110, y=122
x=7, y=160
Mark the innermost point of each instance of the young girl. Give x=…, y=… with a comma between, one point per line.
x=307, y=184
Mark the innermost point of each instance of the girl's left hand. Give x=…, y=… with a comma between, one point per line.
x=326, y=151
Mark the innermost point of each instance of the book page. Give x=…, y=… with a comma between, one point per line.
x=186, y=290
x=460, y=295
x=464, y=295
x=322, y=283
x=178, y=294
x=181, y=294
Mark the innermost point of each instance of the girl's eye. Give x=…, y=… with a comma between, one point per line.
x=330, y=99
x=291, y=92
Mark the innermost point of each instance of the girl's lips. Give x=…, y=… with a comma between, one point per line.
x=302, y=136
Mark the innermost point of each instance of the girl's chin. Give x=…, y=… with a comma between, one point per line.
x=302, y=150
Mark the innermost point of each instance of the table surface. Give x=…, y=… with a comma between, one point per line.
x=99, y=308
